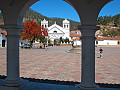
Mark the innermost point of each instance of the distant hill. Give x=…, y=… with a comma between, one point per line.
x=32, y=15
x=107, y=20
x=37, y=17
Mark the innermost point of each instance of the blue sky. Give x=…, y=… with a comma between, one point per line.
x=61, y=9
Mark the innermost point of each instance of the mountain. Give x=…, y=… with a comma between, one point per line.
x=107, y=20
x=32, y=15
x=37, y=17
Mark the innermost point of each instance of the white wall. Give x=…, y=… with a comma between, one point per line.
x=77, y=42
x=21, y=41
x=108, y=42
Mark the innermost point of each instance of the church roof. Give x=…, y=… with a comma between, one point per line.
x=45, y=21
x=107, y=38
x=55, y=26
x=66, y=21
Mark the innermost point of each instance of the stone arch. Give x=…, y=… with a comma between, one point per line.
x=28, y=4
x=87, y=10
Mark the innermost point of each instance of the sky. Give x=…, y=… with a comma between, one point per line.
x=61, y=9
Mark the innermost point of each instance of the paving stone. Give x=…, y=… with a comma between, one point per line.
x=57, y=64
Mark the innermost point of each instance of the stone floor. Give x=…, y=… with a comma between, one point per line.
x=57, y=64
x=46, y=86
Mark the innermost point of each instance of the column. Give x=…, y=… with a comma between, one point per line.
x=13, y=78
x=88, y=58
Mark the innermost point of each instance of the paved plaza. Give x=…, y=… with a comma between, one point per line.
x=57, y=64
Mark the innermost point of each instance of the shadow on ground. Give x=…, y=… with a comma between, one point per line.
x=103, y=85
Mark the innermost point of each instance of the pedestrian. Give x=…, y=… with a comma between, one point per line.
x=52, y=45
x=73, y=44
x=101, y=50
x=45, y=47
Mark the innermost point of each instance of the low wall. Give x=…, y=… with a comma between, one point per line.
x=108, y=45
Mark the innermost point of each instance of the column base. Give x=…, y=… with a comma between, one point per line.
x=79, y=87
x=15, y=84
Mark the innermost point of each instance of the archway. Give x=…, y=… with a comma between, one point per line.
x=60, y=65
x=88, y=12
x=109, y=61
x=2, y=32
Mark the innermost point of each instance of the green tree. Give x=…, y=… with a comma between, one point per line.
x=61, y=40
x=66, y=40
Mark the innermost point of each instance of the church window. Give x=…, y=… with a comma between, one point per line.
x=55, y=31
x=67, y=26
x=96, y=42
x=45, y=25
x=64, y=26
x=42, y=25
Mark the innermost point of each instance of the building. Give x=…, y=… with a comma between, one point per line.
x=75, y=37
x=108, y=41
x=100, y=40
x=55, y=31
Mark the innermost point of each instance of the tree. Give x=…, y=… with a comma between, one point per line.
x=117, y=20
x=61, y=40
x=33, y=32
x=66, y=40
x=111, y=33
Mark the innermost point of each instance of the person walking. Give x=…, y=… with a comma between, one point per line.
x=73, y=44
x=52, y=45
x=100, y=50
x=45, y=47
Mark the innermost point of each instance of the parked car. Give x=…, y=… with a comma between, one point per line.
x=26, y=45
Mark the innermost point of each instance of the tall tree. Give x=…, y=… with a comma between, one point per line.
x=33, y=32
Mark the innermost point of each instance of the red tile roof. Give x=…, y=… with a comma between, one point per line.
x=108, y=38
x=73, y=33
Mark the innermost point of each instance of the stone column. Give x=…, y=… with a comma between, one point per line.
x=13, y=78
x=88, y=58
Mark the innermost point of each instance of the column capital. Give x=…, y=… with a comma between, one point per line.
x=88, y=31
x=12, y=30
x=88, y=27
x=12, y=26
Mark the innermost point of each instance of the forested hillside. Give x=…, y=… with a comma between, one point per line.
x=32, y=15
x=106, y=20
x=37, y=17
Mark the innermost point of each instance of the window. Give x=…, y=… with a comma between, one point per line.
x=45, y=25
x=96, y=42
x=64, y=26
x=67, y=26
x=55, y=32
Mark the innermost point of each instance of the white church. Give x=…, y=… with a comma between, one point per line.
x=55, y=31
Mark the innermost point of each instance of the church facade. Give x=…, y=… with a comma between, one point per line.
x=55, y=31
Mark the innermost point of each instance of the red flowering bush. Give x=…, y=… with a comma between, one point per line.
x=33, y=32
